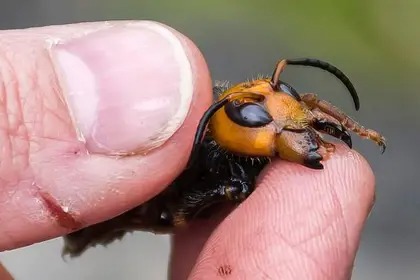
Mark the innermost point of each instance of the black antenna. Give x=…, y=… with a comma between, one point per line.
x=331, y=69
x=201, y=129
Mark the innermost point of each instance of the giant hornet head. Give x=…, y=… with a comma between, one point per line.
x=268, y=117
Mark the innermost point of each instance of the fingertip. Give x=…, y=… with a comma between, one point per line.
x=346, y=171
x=344, y=189
x=344, y=165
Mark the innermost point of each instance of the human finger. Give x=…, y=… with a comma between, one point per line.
x=96, y=119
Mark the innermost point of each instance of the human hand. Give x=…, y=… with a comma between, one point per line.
x=297, y=223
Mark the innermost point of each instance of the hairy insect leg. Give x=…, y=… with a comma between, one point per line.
x=196, y=200
x=161, y=214
x=337, y=131
x=312, y=101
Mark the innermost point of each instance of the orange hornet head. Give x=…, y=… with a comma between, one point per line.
x=267, y=117
x=265, y=121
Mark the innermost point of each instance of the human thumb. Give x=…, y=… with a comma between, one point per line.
x=95, y=119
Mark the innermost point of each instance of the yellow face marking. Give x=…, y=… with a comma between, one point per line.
x=257, y=141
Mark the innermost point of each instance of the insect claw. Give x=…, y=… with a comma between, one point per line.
x=382, y=145
x=313, y=160
x=346, y=138
x=335, y=130
x=312, y=101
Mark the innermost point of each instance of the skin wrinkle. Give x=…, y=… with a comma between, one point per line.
x=297, y=245
x=276, y=263
x=303, y=255
x=333, y=206
x=342, y=219
x=55, y=110
x=5, y=140
x=348, y=271
x=263, y=273
x=307, y=208
x=304, y=263
x=250, y=249
x=320, y=237
x=29, y=108
x=16, y=133
x=299, y=248
x=13, y=160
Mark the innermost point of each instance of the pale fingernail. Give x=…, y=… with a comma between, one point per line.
x=129, y=88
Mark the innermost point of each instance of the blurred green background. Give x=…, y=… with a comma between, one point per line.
x=375, y=42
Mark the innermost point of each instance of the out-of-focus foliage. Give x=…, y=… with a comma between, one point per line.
x=373, y=33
